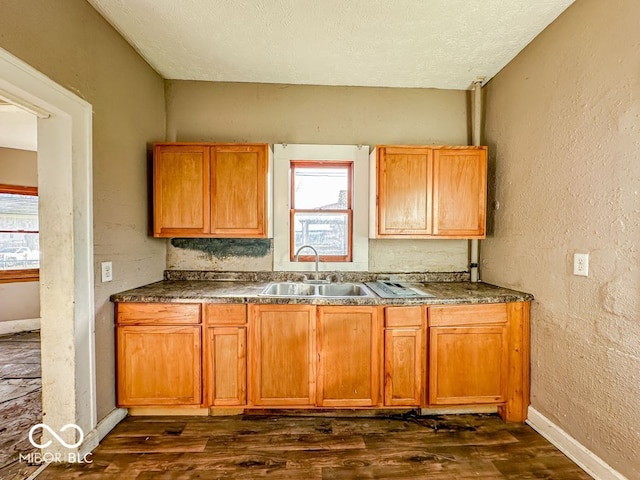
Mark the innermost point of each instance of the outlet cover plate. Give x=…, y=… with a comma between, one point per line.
x=107, y=271
x=581, y=264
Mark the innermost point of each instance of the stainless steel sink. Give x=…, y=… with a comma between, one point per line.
x=289, y=289
x=333, y=290
x=342, y=290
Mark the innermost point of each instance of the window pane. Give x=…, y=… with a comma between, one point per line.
x=321, y=188
x=18, y=212
x=327, y=232
x=19, y=251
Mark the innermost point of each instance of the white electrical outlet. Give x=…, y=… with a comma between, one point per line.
x=581, y=264
x=107, y=271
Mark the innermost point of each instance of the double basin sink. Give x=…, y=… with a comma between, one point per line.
x=300, y=289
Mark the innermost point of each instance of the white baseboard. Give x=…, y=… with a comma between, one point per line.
x=581, y=455
x=92, y=439
x=16, y=326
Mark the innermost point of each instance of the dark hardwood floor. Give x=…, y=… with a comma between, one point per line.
x=20, y=401
x=329, y=446
x=323, y=447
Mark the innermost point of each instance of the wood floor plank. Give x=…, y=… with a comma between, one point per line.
x=265, y=426
x=360, y=458
x=197, y=461
x=20, y=370
x=14, y=388
x=156, y=444
x=19, y=355
x=554, y=467
x=417, y=440
x=287, y=442
x=138, y=429
x=32, y=336
x=277, y=474
x=419, y=472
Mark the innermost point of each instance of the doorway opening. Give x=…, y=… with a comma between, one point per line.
x=64, y=159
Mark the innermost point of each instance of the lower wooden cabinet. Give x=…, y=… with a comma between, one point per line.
x=404, y=356
x=468, y=354
x=225, y=355
x=227, y=365
x=269, y=355
x=158, y=354
x=349, y=353
x=282, y=355
x=159, y=365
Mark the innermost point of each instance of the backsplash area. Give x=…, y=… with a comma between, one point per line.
x=256, y=255
x=422, y=277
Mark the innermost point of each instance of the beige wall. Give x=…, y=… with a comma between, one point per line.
x=72, y=44
x=244, y=112
x=18, y=167
x=20, y=301
x=563, y=129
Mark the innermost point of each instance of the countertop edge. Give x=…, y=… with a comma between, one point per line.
x=192, y=292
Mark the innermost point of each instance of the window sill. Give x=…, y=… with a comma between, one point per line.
x=12, y=276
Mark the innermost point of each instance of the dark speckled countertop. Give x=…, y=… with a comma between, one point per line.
x=246, y=288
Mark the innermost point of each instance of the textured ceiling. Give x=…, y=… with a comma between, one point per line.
x=389, y=43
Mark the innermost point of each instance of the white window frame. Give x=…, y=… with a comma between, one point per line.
x=282, y=155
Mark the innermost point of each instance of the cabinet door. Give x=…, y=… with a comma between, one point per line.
x=238, y=191
x=282, y=354
x=403, y=366
x=181, y=190
x=226, y=365
x=467, y=364
x=159, y=365
x=460, y=192
x=404, y=356
x=404, y=191
x=349, y=352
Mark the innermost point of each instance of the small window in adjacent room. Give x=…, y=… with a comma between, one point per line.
x=321, y=212
x=19, y=234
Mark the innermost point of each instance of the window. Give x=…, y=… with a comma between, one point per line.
x=19, y=238
x=321, y=210
x=308, y=207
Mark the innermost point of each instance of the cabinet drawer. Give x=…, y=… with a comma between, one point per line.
x=403, y=316
x=467, y=315
x=225, y=314
x=158, y=313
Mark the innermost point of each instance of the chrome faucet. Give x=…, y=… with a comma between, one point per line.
x=295, y=258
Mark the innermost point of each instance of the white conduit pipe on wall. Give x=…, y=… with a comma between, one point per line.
x=476, y=127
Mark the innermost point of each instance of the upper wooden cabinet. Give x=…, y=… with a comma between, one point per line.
x=429, y=192
x=210, y=190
